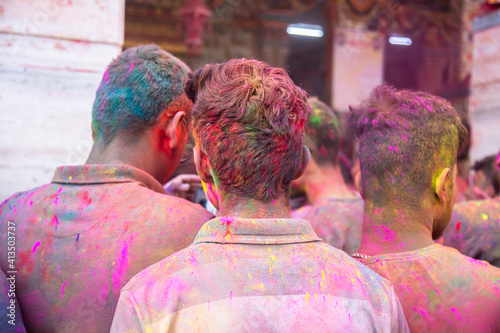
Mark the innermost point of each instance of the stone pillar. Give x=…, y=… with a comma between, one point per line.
x=485, y=85
x=52, y=57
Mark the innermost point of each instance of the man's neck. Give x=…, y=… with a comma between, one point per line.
x=236, y=206
x=136, y=155
x=327, y=183
x=395, y=229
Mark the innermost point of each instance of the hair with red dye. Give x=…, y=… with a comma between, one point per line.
x=322, y=133
x=404, y=137
x=249, y=120
x=137, y=87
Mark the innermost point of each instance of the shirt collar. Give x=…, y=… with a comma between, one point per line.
x=105, y=174
x=228, y=230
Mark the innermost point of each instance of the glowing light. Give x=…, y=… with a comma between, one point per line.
x=400, y=41
x=301, y=29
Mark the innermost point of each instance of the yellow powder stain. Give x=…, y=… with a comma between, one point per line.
x=273, y=257
x=259, y=287
x=323, y=275
x=250, y=276
x=307, y=297
x=484, y=216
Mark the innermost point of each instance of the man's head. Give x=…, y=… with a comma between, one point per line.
x=142, y=95
x=408, y=147
x=322, y=133
x=248, y=123
x=322, y=139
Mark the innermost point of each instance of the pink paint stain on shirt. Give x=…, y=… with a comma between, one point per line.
x=62, y=289
x=121, y=268
x=35, y=246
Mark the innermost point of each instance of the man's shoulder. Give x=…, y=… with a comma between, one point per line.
x=350, y=267
x=161, y=272
x=474, y=266
x=438, y=259
x=28, y=197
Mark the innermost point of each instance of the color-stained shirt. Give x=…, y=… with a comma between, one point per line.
x=81, y=238
x=258, y=275
x=338, y=222
x=442, y=290
x=474, y=230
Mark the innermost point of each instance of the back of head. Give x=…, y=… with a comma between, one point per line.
x=404, y=138
x=249, y=119
x=322, y=133
x=137, y=87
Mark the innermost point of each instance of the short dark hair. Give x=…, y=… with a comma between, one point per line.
x=322, y=133
x=249, y=119
x=403, y=137
x=137, y=87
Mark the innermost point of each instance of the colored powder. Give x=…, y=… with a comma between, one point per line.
x=35, y=246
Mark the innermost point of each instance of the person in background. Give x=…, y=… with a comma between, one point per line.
x=474, y=229
x=408, y=147
x=334, y=211
x=84, y=235
x=254, y=268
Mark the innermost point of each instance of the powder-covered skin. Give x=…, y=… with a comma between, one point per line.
x=442, y=290
x=82, y=237
x=262, y=275
x=474, y=230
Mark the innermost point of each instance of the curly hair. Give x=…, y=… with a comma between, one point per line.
x=249, y=119
x=403, y=137
x=137, y=87
x=323, y=133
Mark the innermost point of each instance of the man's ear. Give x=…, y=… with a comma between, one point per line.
x=357, y=183
x=207, y=180
x=306, y=157
x=171, y=128
x=93, y=130
x=202, y=165
x=440, y=187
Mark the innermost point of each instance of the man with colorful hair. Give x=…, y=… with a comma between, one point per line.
x=408, y=147
x=84, y=235
x=254, y=268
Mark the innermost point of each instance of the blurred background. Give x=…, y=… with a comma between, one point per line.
x=53, y=54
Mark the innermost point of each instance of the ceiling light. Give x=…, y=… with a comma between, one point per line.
x=301, y=29
x=400, y=41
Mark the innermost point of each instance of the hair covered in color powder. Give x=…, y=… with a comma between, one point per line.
x=137, y=87
x=249, y=119
x=403, y=137
x=322, y=133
